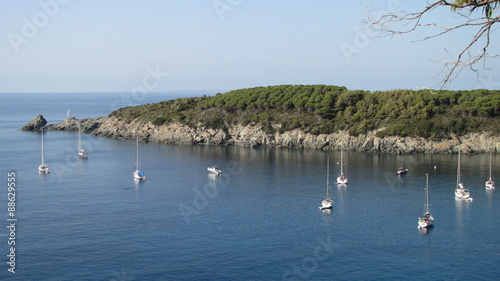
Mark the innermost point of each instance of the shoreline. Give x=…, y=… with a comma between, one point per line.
x=254, y=136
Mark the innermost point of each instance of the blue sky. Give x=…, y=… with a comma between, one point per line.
x=162, y=45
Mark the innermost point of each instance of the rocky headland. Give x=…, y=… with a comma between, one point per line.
x=176, y=133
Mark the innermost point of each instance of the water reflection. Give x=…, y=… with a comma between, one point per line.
x=489, y=193
x=82, y=165
x=341, y=191
x=137, y=184
x=327, y=212
x=212, y=178
x=425, y=231
x=461, y=205
x=327, y=217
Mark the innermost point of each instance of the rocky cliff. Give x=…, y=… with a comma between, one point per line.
x=254, y=136
x=35, y=124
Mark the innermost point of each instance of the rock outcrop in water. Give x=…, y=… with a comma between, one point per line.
x=35, y=124
x=254, y=136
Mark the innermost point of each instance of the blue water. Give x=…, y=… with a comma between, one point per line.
x=89, y=220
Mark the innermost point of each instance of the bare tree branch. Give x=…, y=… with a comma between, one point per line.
x=409, y=22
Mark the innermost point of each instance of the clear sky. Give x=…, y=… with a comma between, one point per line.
x=161, y=45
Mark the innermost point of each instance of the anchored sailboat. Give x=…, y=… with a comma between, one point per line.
x=426, y=220
x=341, y=179
x=460, y=191
x=328, y=202
x=81, y=153
x=43, y=168
x=138, y=175
x=490, y=184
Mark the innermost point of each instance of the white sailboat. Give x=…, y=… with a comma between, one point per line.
x=43, y=168
x=427, y=219
x=138, y=175
x=489, y=183
x=327, y=203
x=460, y=191
x=81, y=152
x=341, y=179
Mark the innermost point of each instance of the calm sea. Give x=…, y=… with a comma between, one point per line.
x=89, y=220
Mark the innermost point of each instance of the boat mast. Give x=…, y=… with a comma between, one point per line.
x=458, y=170
x=427, y=192
x=43, y=162
x=341, y=162
x=327, y=176
x=79, y=140
x=137, y=155
x=490, y=166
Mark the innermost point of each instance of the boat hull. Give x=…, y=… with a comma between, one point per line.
x=82, y=154
x=490, y=184
x=326, y=204
x=425, y=224
x=43, y=168
x=139, y=175
x=462, y=193
x=342, y=180
x=401, y=172
x=214, y=170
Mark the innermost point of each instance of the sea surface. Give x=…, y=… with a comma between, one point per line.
x=259, y=220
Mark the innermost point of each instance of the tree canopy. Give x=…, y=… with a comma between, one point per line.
x=322, y=109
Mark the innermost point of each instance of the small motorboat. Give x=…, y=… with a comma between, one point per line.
x=402, y=171
x=214, y=170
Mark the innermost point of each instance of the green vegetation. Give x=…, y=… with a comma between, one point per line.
x=321, y=109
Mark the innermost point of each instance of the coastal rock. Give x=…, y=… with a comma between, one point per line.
x=86, y=125
x=35, y=124
x=176, y=133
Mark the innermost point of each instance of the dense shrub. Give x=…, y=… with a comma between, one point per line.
x=322, y=109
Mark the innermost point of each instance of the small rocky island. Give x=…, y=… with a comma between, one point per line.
x=323, y=118
x=36, y=124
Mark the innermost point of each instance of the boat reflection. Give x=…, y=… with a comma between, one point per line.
x=425, y=230
x=326, y=211
x=341, y=191
x=212, y=177
x=461, y=205
x=489, y=193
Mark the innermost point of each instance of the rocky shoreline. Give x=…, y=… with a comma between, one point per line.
x=254, y=136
